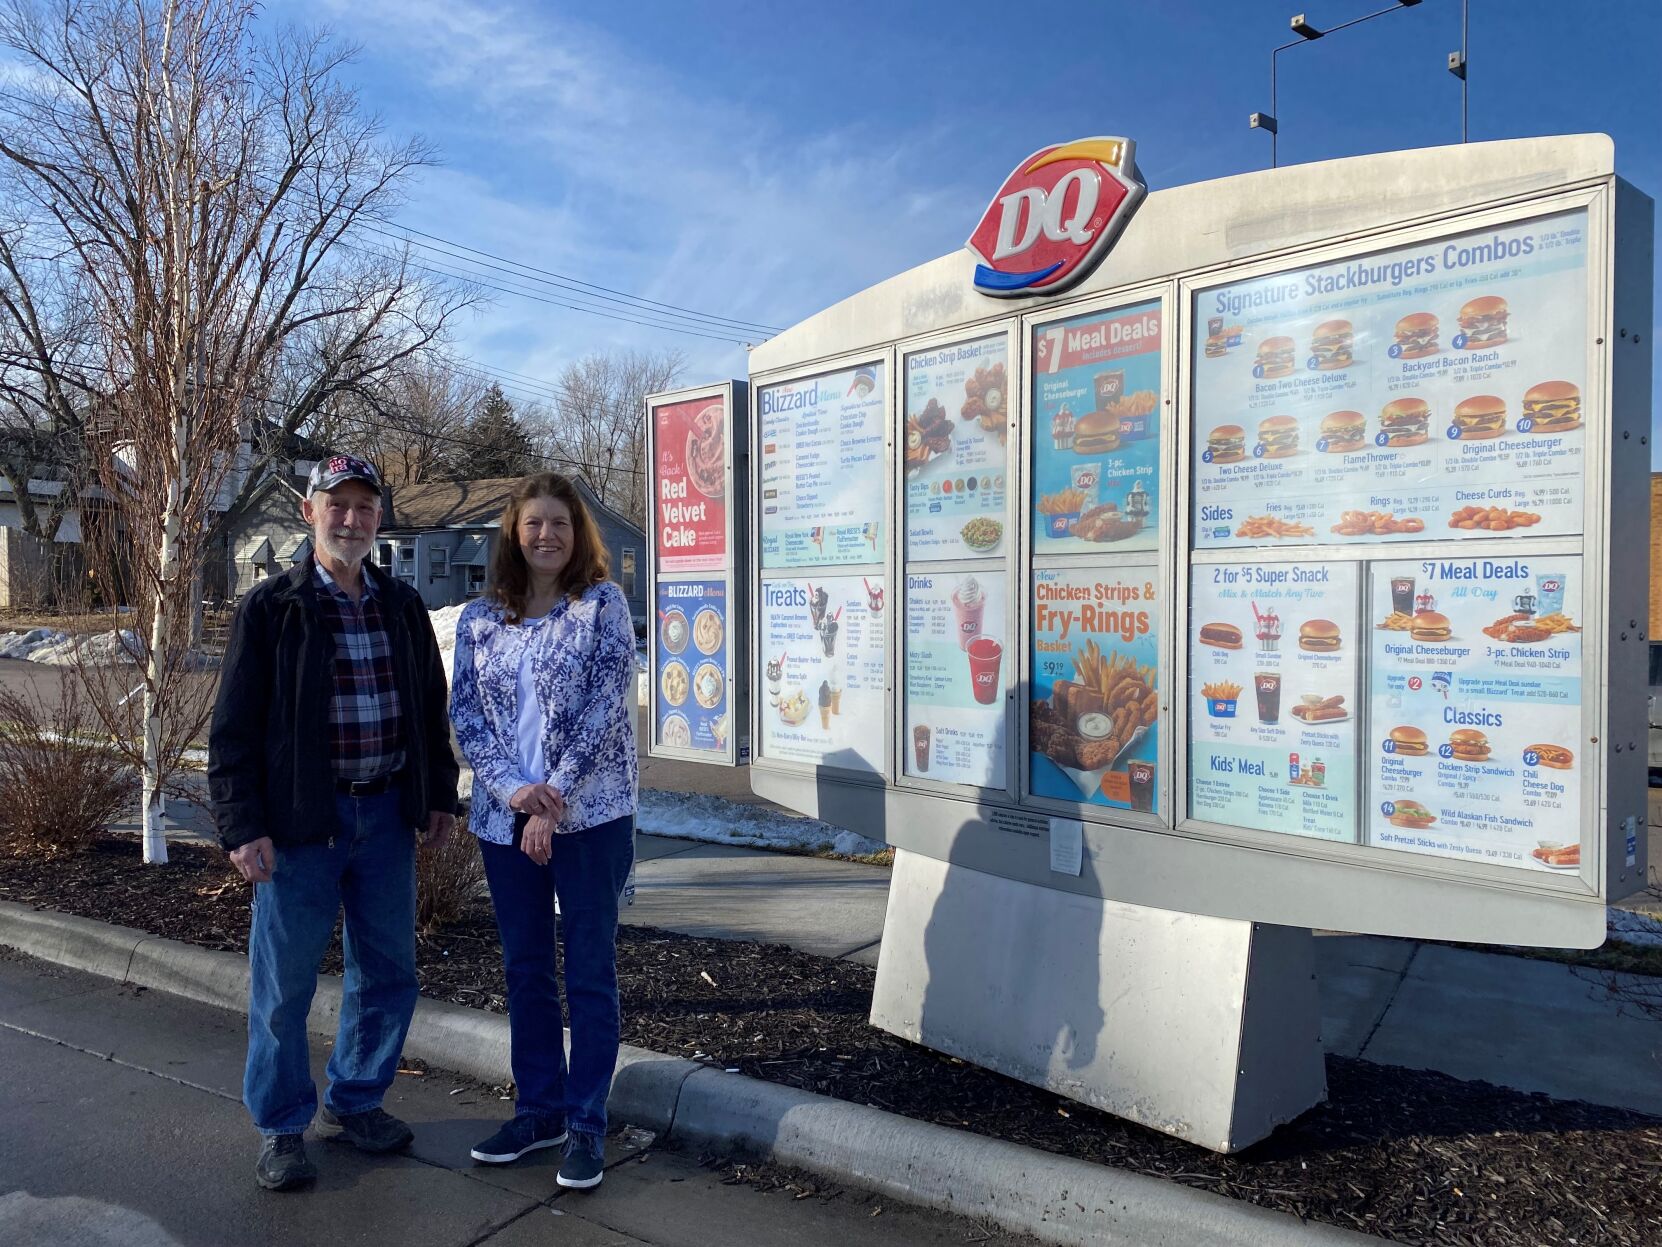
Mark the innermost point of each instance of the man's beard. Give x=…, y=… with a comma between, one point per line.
x=342, y=549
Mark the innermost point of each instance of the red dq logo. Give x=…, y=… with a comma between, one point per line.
x=1055, y=217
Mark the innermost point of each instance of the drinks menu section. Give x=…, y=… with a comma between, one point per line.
x=693, y=699
x=956, y=636
x=1096, y=431
x=956, y=450
x=1272, y=668
x=822, y=469
x=1431, y=391
x=1475, y=699
x=690, y=484
x=822, y=664
x=1092, y=724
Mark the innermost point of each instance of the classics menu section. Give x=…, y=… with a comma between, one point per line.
x=1432, y=391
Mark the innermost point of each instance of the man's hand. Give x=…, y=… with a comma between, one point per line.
x=255, y=860
x=537, y=799
x=537, y=842
x=439, y=827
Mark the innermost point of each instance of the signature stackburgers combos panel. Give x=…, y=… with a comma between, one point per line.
x=1425, y=392
x=1429, y=393
x=697, y=491
x=822, y=632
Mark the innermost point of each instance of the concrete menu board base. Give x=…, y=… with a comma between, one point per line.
x=1203, y=1028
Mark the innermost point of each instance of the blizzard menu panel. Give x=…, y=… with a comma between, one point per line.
x=1432, y=391
x=822, y=469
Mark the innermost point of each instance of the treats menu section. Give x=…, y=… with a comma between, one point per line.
x=1432, y=391
x=822, y=649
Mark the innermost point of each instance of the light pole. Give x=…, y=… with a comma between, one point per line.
x=1309, y=34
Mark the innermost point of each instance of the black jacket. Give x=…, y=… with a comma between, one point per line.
x=269, y=771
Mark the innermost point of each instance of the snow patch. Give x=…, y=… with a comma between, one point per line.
x=715, y=820
x=64, y=649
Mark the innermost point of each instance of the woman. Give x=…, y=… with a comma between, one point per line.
x=544, y=665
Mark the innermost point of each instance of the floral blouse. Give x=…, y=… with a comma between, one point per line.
x=583, y=668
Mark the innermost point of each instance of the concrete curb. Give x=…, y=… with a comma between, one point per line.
x=1023, y=1190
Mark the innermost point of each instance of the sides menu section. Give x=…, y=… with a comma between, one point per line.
x=1272, y=662
x=1476, y=709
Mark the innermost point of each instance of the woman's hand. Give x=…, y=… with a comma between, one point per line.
x=538, y=799
x=537, y=842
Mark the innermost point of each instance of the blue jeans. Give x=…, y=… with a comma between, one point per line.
x=369, y=867
x=587, y=869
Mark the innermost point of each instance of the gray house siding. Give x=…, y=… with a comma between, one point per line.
x=265, y=539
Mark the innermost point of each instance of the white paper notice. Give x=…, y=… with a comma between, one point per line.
x=1067, y=845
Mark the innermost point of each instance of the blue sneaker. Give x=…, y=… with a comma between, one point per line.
x=584, y=1165
x=525, y=1133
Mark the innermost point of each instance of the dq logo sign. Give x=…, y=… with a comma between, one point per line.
x=1055, y=217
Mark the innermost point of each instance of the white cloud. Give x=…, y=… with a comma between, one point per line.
x=630, y=175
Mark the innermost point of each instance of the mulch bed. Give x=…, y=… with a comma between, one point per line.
x=1414, y=1156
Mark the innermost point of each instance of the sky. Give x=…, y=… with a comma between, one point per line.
x=760, y=161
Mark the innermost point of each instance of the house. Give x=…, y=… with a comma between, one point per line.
x=440, y=536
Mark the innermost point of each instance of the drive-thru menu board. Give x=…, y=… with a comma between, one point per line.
x=1272, y=669
x=1430, y=394
x=822, y=651
x=822, y=469
x=1092, y=723
x=695, y=632
x=1095, y=430
x=1475, y=701
x=956, y=638
x=956, y=452
x=1432, y=391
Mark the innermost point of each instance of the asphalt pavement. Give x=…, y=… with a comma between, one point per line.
x=122, y=1125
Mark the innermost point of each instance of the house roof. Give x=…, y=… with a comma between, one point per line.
x=472, y=551
x=471, y=504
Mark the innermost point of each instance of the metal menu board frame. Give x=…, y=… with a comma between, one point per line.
x=733, y=396
x=1184, y=242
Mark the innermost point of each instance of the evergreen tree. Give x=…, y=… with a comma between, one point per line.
x=496, y=442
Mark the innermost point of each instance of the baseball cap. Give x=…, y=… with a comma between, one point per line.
x=327, y=473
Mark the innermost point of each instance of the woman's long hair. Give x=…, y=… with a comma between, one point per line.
x=510, y=582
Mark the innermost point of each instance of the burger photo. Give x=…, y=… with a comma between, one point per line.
x=1278, y=436
x=1481, y=416
x=1469, y=745
x=1417, y=335
x=1096, y=433
x=1483, y=321
x=1552, y=407
x=1330, y=345
x=1319, y=636
x=1430, y=626
x=1409, y=813
x=1227, y=443
x=1407, y=741
x=1275, y=357
x=1220, y=635
x=1342, y=432
x=1216, y=345
x=1404, y=422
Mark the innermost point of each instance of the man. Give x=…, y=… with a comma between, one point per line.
x=329, y=752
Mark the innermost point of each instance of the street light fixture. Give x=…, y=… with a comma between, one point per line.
x=1309, y=34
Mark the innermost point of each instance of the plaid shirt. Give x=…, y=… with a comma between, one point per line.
x=365, y=723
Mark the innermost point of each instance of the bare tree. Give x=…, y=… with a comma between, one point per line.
x=598, y=426
x=202, y=185
x=414, y=425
